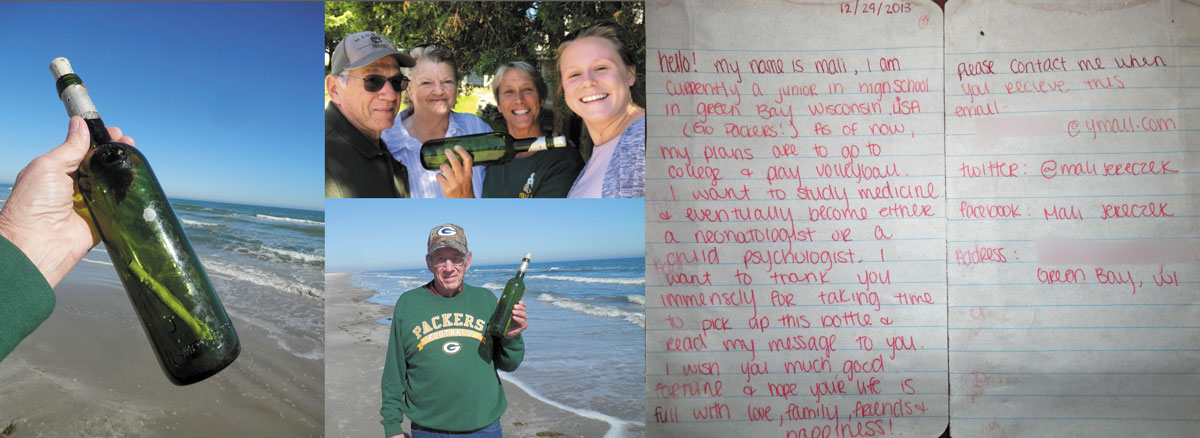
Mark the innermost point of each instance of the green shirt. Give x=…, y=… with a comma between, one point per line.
x=546, y=174
x=26, y=299
x=438, y=371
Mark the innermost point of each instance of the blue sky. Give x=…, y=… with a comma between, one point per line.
x=224, y=99
x=369, y=234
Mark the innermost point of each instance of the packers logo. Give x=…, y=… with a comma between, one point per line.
x=452, y=347
x=447, y=231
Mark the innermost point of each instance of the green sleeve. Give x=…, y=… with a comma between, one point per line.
x=561, y=174
x=26, y=299
x=394, y=385
x=509, y=355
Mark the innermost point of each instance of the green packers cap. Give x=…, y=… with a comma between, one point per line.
x=359, y=49
x=447, y=236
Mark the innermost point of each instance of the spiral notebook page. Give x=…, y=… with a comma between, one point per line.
x=795, y=219
x=1071, y=165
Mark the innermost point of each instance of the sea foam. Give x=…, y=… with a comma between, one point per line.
x=636, y=318
x=289, y=219
x=617, y=427
x=296, y=256
x=261, y=278
x=197, y=223
x=601, y=280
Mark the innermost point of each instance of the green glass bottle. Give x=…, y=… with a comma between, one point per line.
x=486, y=149
x=184, y=320
x=498, y=323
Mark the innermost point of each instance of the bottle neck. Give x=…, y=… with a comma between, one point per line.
x=539, y=143
x=75, y=97
x=99, y=131
x=524, y=266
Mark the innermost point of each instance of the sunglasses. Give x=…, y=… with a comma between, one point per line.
x=373, y=83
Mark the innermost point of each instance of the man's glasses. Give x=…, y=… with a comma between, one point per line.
x=373, y=83
x=457, y=260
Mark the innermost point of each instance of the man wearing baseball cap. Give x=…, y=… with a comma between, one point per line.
x=440, y=369
x=364, y=87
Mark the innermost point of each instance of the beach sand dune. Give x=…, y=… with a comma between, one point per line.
x=354, y=348
x=89, y=371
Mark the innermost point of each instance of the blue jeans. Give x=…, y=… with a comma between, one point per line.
x=491, y=431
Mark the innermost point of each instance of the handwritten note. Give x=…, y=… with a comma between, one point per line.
x=859, y=228
x=795, y=220
x=1071, y=169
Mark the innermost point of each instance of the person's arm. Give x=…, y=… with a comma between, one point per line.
x=43, y=237
x=512, y=347
x=394, y=386
x=509, y=355
x=26, y=297
x=633, y=164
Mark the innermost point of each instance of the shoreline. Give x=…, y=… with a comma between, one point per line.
x=88, y=370
x=352, y=400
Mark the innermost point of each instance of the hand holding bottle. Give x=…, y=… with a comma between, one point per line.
x=39, y=218
x=455, y=178
x=519, y=323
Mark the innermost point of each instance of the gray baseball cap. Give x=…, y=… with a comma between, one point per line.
x=447, y=236
x=359, y=49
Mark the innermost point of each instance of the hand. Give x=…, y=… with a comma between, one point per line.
x=39, y=218
x=455, y=178
x=398, y=436
x=519, y=323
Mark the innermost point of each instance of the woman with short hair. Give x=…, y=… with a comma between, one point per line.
x=430, y=98
x=520, y=93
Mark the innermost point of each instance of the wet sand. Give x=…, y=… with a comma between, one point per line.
x=88, y=370
x=355, y=346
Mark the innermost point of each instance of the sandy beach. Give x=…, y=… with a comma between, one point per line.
x=354, y=348
x=89, y=371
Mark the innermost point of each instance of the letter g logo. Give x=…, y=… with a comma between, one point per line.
x=452, y=347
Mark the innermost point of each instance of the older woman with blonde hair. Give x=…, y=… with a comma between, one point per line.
x=430, y=98
x=596, y=73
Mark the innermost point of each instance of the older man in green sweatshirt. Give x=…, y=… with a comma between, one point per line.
x=441, y=364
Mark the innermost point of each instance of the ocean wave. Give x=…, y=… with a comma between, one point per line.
x=190, y=207
x=280, y=255
x=98, y=262
x=298, y=256
x=636, y=299
x=197, y=223
x=289, y=219
x=480, y=271
x=493, y=285
x=373, y=275
x=638, y=319
x=260, y=278
x=625, y=280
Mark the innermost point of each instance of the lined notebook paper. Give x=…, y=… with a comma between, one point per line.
x=877, y=219
x=1071, y=176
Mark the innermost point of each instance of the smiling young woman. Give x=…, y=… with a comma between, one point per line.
x=596, y=73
